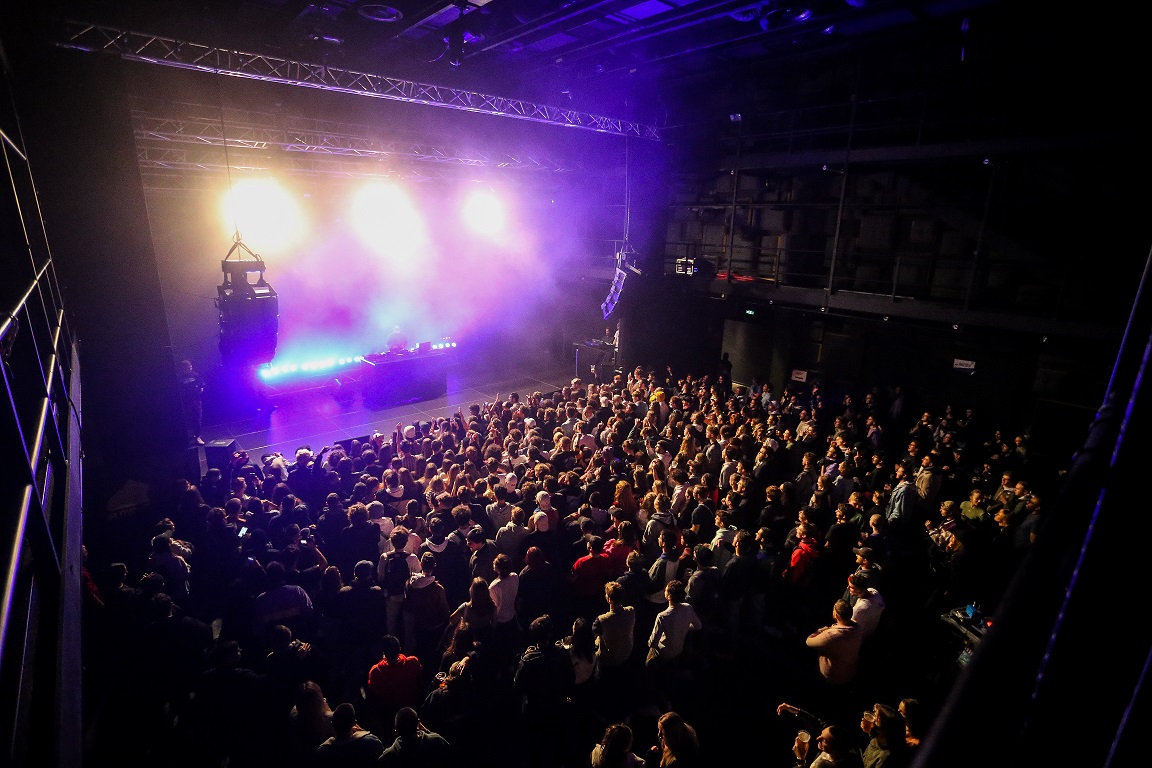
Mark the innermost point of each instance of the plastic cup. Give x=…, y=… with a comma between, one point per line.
x=804, y=737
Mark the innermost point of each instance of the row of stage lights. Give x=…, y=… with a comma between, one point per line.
x=279, y=370
x=312, y=367
x=384, y=215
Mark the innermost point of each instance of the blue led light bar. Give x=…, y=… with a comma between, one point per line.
x=289, y=368
x=286, y=369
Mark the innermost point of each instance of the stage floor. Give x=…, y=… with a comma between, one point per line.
x=321, y=416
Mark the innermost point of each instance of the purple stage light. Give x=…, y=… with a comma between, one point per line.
x=283, y=370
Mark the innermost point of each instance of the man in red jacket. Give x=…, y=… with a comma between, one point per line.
x=395, y=681
x=588, y=577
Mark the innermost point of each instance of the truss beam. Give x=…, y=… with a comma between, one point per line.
x=206, y=131
x=163, y=160
x=165, y=51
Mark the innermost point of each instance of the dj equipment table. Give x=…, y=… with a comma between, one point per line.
x=596, y=353
x=399, y=377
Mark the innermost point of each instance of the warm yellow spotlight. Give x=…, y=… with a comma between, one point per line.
x=266, y=215
x=387, y=221
x=484, y=213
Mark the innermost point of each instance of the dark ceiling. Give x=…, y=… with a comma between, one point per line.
x=635, y=59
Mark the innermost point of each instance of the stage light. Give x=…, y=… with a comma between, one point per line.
x=264, y=212
x=310, y=367
x=387, y=221
x=484, y=213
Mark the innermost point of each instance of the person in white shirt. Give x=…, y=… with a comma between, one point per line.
x=670, y=632
x=868, y=605
x=503, y=590
x=668, y=639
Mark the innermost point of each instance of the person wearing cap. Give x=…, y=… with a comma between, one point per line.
x=867, y=604
x=544, y=516
x=403, y=442
x=867, y=568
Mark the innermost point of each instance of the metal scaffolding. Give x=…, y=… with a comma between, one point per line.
x=154, y=49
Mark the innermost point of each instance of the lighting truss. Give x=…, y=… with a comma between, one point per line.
x=210, y=131
x=153, y=49
x=211, y=159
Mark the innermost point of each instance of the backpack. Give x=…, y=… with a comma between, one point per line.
x=395, y=573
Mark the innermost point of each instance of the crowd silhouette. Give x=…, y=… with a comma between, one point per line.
x=649, y=569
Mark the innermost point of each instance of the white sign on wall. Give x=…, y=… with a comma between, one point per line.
x=799, y=375
x=964, y=365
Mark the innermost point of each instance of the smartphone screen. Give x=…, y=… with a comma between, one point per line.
x=244, y=531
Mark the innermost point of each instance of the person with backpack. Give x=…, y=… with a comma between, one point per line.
x=395, y=567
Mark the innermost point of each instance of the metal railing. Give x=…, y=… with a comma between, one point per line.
x=40, y=489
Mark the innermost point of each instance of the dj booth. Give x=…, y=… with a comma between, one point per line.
x=599, y=357
x=392, y=378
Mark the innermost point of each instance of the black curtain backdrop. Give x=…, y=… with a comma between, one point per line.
x=77, y=126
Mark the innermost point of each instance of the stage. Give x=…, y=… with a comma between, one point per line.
x=333, y=410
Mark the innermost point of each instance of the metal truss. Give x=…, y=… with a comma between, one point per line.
x=137, y=46
x=212, y=159
x=182, y=168
x=213, y=132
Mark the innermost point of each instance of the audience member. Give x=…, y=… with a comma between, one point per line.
x=415, y=745
x=351, y=746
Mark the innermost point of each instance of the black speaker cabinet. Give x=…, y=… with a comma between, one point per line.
x=219, y=452
x=249, y=324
